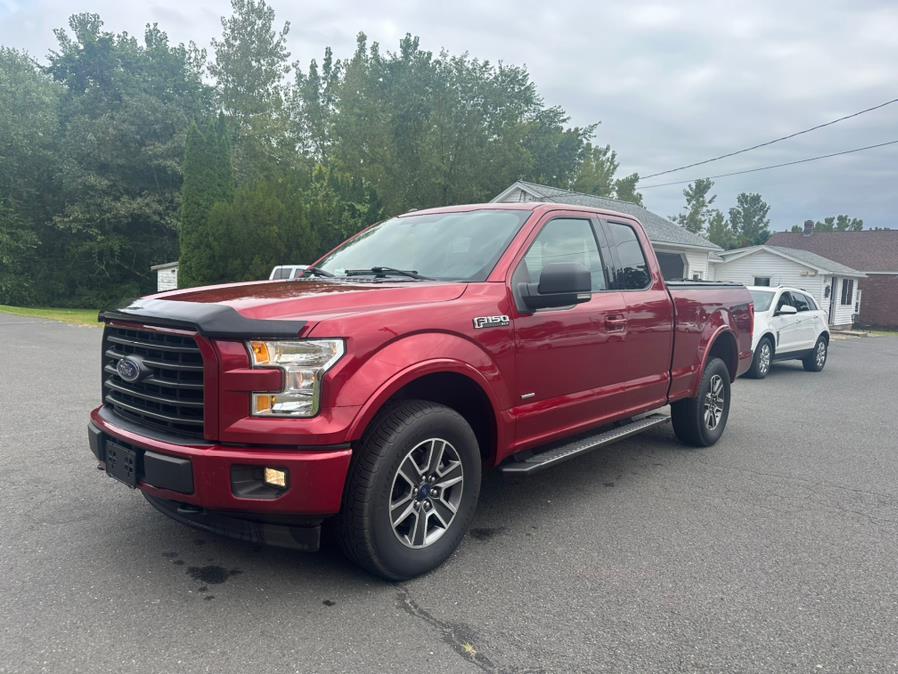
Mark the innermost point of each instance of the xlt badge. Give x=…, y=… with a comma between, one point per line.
x=481, y=322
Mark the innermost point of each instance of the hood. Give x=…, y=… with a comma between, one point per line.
x=312, y=300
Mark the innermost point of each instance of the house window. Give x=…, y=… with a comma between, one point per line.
x=847, y=291
x=762, y=281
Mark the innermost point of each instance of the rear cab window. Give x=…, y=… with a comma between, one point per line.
x=630, y=269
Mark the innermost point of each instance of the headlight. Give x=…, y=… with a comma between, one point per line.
x=304, y=364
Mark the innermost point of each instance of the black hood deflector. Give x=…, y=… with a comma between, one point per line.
x=216, y=321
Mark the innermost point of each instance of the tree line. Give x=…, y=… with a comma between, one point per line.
x=745, y=224
x=121, y=152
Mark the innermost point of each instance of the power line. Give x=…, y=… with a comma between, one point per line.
x=772, y=166
x=775, y=140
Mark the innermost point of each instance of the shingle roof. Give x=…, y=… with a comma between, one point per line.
x=659, y=229
x=812, y=259
x=864, y=250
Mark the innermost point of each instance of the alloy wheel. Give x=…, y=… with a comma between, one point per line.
x=820, y=356
x=714, y=402
x=426, y=493
x=764, y=359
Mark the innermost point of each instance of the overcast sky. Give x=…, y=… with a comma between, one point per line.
x=671, y=83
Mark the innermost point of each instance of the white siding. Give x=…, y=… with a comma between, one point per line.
x=782, y=272
x=167, y=279
x=697, y=263
x=843, y=312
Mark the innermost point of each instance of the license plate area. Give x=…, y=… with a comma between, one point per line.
x=121, y=463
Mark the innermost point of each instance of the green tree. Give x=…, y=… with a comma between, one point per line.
x=126, y=107
x=697, y=213
x=29, y=176
x=251, y=62
x=595, y=175
x=290, y=220
x=749, y=221
x=720, y=231
x=625, y=189
x=207, y=180
x=838, y=223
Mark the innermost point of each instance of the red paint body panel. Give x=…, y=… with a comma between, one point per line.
x=546, y=375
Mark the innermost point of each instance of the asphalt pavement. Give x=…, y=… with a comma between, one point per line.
x=776, y=550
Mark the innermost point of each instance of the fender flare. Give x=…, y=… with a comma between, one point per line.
x=719, y=333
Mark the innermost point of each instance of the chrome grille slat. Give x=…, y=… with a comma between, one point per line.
x=108, y=369
x=170, y=394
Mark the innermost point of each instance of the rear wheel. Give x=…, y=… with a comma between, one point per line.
x=815, y=361
x=760, y=364
x=412, y=491
x=700, y=421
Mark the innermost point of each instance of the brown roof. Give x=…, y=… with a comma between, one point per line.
x=864, y=250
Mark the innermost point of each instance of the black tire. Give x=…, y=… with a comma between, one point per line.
x=816, y=360
x=366, y=530
x=760, y=364
x=689, y=415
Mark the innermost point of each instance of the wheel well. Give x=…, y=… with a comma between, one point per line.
x=769, y=337
x=825, y=335
x=725, y=348
x=464, y=396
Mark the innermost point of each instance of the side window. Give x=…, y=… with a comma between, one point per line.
x=762, y=281
x=847, y=290
x=631, y=270
x=784, y=300
x=812, y=303
x=800, y=302
x=564, y=240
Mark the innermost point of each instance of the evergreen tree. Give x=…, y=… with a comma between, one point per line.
x=207, y=180
x=749, y=220
x=697, y=213
x=719, y=230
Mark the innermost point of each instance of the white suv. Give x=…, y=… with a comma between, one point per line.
x=788, y=326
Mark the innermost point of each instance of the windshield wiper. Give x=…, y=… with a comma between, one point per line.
x=381, y=272
x=315, y=271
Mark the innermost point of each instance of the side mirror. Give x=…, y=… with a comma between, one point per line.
x=786, y=309
x=561, y=284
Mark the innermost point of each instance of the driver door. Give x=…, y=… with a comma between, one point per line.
x=569, y=359
x=786, y=326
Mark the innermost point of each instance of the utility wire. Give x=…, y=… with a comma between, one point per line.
x=775, y=140
x=772, y=166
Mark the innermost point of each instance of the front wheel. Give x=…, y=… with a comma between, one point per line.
x=700, y=421
x=760, y=364
x=412, y=491
x=815, y=361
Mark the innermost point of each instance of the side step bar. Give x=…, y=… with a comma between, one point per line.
x=560, y=453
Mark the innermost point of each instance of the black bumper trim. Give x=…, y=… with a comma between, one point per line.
x=216, y=321
x=300, y=534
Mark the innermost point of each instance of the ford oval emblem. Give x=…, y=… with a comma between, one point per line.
x=129, y=368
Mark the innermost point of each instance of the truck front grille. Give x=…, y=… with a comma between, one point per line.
x=168, y=395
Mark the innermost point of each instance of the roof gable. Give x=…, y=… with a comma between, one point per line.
x=811, y=260
x=873, y=251
x=659, y=229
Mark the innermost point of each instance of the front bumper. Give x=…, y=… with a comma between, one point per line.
x=202, y=474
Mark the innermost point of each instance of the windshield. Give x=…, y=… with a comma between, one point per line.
x=762, y=299
x=441, y=246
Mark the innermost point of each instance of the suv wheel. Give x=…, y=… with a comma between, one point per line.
x=760, y=364
x=412, y=491
x=700, y=421
x=815, y=361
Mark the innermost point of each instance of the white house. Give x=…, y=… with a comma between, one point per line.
x=682, y=254
x=166, y=276
x=832, y=284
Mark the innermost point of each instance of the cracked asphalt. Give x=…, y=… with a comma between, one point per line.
x=776, y=550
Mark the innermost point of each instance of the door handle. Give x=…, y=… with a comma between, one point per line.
x=616, y=322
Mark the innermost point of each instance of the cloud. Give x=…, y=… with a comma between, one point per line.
x=671, y=82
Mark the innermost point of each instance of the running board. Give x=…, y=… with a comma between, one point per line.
x=560, y=453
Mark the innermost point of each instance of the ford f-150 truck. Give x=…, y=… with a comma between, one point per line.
x=375, y=389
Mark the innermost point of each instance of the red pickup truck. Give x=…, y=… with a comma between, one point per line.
x=374, y=390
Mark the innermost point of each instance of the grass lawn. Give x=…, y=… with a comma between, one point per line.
x=76, y=316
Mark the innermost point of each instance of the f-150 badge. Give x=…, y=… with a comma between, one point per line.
x=481, y=322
